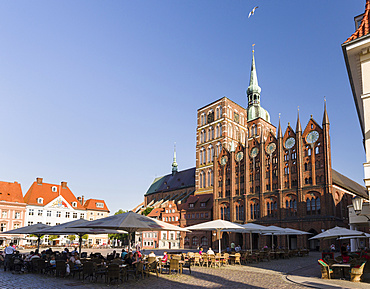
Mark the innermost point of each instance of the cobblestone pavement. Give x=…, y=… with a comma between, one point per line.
x=273, y=274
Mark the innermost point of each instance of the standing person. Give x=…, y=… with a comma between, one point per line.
x=232, y=246
x=9, y=251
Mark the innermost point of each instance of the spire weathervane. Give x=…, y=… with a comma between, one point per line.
x=174, y=163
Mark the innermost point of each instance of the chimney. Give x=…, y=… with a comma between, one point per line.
x=64, y=184
x=82, y=200
x=79, y=199
x=39, y=181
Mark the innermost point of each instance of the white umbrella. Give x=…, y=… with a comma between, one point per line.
x=355, y=237
x=216, y=225
x=337, y=232
x=252, y=228
x=285, y=231
x=130, y=222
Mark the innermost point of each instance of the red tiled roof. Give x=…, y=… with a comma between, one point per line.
x=155, y=212
x=363, y=28
x=44, y=190
x=11, y=192
x=90, y=204
x=197, y=200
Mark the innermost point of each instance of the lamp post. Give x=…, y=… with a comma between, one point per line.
x=357, y=203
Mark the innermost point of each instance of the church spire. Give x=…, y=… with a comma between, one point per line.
x=174, y=163
x=298, y=127
x=253, y=91
x=325, y=119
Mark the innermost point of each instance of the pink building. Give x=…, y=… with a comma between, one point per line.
x=12, y=211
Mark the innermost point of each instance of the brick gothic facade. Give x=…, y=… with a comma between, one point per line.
x=247, y=171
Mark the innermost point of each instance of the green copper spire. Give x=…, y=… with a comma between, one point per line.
x=174, y=163
x=254, y=109
x=253, y=91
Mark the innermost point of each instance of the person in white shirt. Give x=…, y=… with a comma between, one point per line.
x=9, y=251
x=210, y=251
x=237, y=248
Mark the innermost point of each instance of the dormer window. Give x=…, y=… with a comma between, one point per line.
x=203, y=204
x=99, y=205
x=54, y=189
x=74, y=204
x=191, y=205
x=40, y=200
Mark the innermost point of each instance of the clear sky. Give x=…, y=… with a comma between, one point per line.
x=95, y=93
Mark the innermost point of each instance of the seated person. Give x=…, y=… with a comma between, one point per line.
x=52, y=262
x=123, y=254
x=151, y=254
x=165, y=257
x=129, y=259
x=77, y=262
x=345, y=257
x=238, y=248
x=73, y=258
x=201, y=251
x=210, y=251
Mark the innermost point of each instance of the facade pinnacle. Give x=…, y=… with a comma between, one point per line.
x=280, y=134
x=325, y=119
x=298, y=127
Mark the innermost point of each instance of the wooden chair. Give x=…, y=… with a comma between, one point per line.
x=34, y=262
x=356, y=273
x=88, y=270
x=326, y=271
x=197, y=258
x=140, y=269
x=60, y=268
x=113, y=272
x=151, y=259
x=225, y=260
x=174, y=266
x=237, y=258
x=151, y=267
x=204, y=260
x=41, y=266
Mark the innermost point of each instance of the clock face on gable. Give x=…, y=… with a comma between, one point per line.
x=312, y=137
x=223, y=160
x=239, y=156
x=254, y=152
x=271, y=148
x=289, y=143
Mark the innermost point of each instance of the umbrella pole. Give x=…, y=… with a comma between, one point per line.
x=272, y=242
x=38, y=242
x=250, y=236
x=219, y=241
x=80, y=244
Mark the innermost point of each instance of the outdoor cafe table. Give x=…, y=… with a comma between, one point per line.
x=341, y=267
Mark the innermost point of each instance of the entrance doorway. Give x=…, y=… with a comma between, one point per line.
x=225, y=240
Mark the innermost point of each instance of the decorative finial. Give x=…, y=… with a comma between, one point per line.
x=253, y=47
x=311, y=115
x=298, y=108
x=288, y=123
x=324, y=98
x=279, y=115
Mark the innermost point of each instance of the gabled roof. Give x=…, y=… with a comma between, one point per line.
x=11, y=192
x=155, y=212
x=363, y=28
x=197, y=200
x=91, y=204
x=170, y=182
x=44, y=191
x=348, y=184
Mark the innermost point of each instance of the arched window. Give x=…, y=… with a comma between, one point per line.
x=220, y=111
x=305, y=166
x=195, y=241
x=201, y=184
x=318, y=205
x=237, y=212
x=204, y=180
x=204, y=241
x=287, y=204
x=308, y=203
x=313, y=205
x=211, y=177
x=317, y=150
x=309, y=151
x=241, y=212
x=186, y=241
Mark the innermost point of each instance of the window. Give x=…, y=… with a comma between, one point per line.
x=54, y=189
x=203, y=204
x=39, y=212
x=30, y=223
x=40, y=200
x=195, y=241
x=177, y=218
x=82, y=216
x=206, y=215
x=3, y=227
x=191, y=205
x=16, y=226
x=67, y=214
x=48, y=213
x=99, y=205
x=58, y=214
x=48, y=223
x=17, y=215
x=204, y=241
x=74, y=204
x=74, y=215
x=30, y=212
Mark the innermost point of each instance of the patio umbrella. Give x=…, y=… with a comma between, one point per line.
x=285, y=231
x=216, y=225
x=337, y=232
x=130, y=222
x=33, y=229
x=366, y=235
x=253, y=228
x=65, y=229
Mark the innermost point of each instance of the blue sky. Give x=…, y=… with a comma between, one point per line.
x=95, y=93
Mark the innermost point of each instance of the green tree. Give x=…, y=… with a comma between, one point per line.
x=85, y=237
x=118, y=236
x=52, y=237
x=71, y=237
x=147, y=211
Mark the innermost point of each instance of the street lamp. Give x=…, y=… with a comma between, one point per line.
x=357, y=204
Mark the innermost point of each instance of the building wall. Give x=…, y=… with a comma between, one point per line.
x=12, y=216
